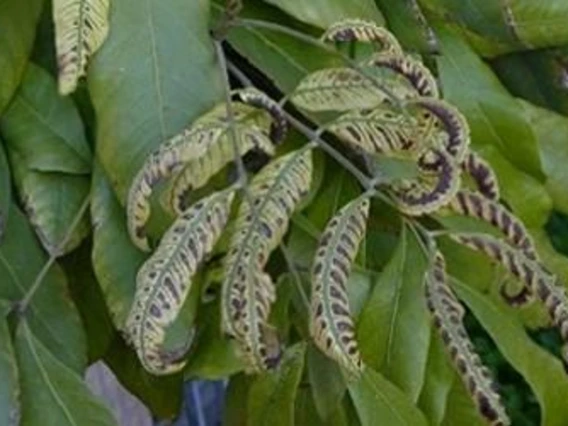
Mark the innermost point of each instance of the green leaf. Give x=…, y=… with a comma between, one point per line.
x=380, y=403
x=9, y=385
x=52, y=201
x=460, y=409
x=542, y=371
x=115, y=259
x=51, y=315
x=18, y=19
x=52, y=394
x=324, y=13
x=44, y=128
x=551, y=130
x=394, y=327
x=212, y=356
x=438, y=381
x=5, y=189
x=492, y=113
x=275, y=392
x=327, y=383
x=284, y=59
x=154, y=75
x=235, y=410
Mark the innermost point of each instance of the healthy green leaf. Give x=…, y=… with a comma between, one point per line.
x=44, y=128
x=115, y=259
x=379, y=402
x=18, y=19
x=539, y=368
x=439, y=377
x=9, y=385
x=51, y=314
x=324, y=13
x=394, y=327
x=551, y=130
x=53, y=394
x=275, y=392
x=235, y=411
x=492, y=113
x=152, y=77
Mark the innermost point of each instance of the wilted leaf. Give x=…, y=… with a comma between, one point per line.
x=542, y=371
x=51, y=314
x=379, y=402
x=9, y=385
x=394, y=327
x=275, y=392
x=323, y=13
x=81, y=26
x=492, y=112
x=53, y=394
x=152, y=77
x=18, y=19
x=44, y=128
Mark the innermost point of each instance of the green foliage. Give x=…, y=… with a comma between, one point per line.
x=332, y=272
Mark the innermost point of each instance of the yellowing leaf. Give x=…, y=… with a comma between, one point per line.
x=81, y=27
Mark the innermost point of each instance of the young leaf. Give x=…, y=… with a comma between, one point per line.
x=52, y=394
x=248, y=291
x=275, y=392
x=448, y=315
x=198, y=153
x=482, y=174
x=164, y=281
x=81, y=27
x=349, y=30
x=331, y=325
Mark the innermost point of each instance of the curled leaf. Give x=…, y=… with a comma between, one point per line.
x=417, y=74
x=366, y=31
x=447, y=314
x=482, y=174
x=164, y=281
x=476, y=205
x=538, y=281
x=206, y=147
x=81, y=27
x=331, y=325
x=436, y=186
x=248, y=292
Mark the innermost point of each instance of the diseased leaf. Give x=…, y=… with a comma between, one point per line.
x=482, y=174
x=248, y=291
x=45, y=129
x=358, y=30
x=378, y=402
x=10, y=408
x=165, y=280
x=322, y=13
x=460, y=409
x=151, y=78
x=18, y=19
x=115, y=259
x=53, y=394
x=492, y=113
x=275, y=392
x=394, y=327
x=536, y=365
x=51, y=314
x=331, y=324
x=81, y=27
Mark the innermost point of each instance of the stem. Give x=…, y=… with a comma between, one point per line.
x=296, y=276
x=24, y=303
x=222, y=60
